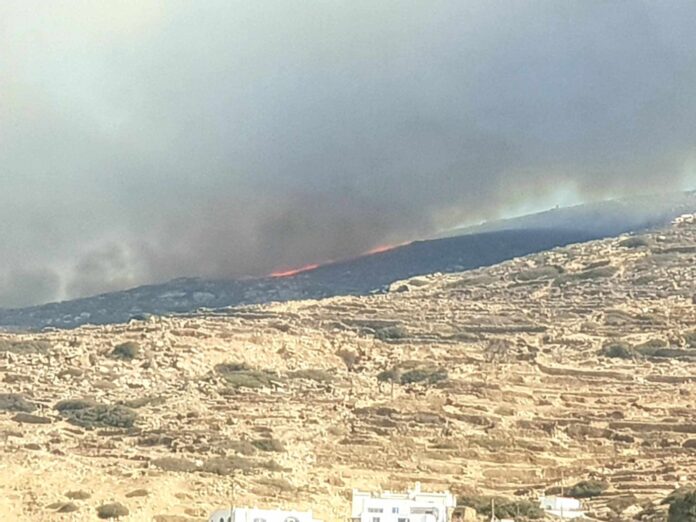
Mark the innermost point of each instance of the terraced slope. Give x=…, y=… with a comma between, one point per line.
x=533, y=374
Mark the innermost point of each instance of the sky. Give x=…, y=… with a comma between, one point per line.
x=144, y=140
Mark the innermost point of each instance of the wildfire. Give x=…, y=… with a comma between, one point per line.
x=384, y=248
x=294, y=271
x=289, y=272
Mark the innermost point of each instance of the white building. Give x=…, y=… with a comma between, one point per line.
x=412, y=506
x=562, y=507
x=260, y=515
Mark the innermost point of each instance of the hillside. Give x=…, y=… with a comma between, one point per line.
x=542, y=371
x=360, y=276
x=463, y=249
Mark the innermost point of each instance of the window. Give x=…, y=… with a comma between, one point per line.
x=375, y=519
x=375, y=510
x=292, y=519
x=259, y=520
x=395, y=510
x=403, y=520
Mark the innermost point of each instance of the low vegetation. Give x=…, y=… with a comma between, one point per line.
x=682, y=505
x=504, y=507
x=78, y=495
x=112, y=510
x=16, y=402
x=269, y=445
x=90, y=414
x=228, y=465
x=413, y=372
x=602, y=272
x=541, y=272
x=21, y=347
x=618, y=350
x=239, y=375
x=690, y=338
x=588, y=489
x=312, y=374
x=28, y=418
x=392, y=333
x=175, y=464
x=138, y=493
x=655, y=349
x=634, y=242
x=126, y=351
x=68, y=507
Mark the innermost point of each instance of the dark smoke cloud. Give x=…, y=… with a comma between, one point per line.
x=145, y=140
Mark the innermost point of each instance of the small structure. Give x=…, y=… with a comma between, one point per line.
x=562, y=507
x=411, y=506
x=260, y=515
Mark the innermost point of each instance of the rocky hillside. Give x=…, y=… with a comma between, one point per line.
x=464, y=249
x=576, y=364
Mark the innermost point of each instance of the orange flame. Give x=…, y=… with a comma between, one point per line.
x=384, y=248
x=294, y=271
x=289, y=272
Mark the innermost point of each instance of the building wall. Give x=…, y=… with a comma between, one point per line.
x=412, y=506
x=260, y=515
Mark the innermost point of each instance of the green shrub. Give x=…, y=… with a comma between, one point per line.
x=102, y=416
x=542, y=272
x=138, y=493
x=74, y=404
x=174, y=464
x=601, y=272
x=664, y=353
x=690, y=338
x=15, y=402
x=588, y=489
x=126, y=351
x=28, y=418
x=313, y=375
x=652, y=343
x=391, y=333
x=393, y=375
x=239, y=375
x=68, y=507
x=424, y=375
x=152, y=400
x=504, y=507
x=634, y=242
x=226, y=369
x=682, y=505
x=269, y=445
x=228, y=465
x=20, y=347
x=78, y=495
x=279, y=484
x=113, y=510
x=618, y=351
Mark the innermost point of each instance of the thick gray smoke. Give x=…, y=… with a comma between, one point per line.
x=143, y=140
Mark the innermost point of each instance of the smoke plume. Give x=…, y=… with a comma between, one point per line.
x=143, y=140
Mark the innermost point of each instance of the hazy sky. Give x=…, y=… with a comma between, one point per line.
x=144, y=140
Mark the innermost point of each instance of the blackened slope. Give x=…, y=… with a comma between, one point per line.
x=354, y=277
x=368, y=273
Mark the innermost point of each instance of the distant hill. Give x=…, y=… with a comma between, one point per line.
x=468, y=248
x=599, y=219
